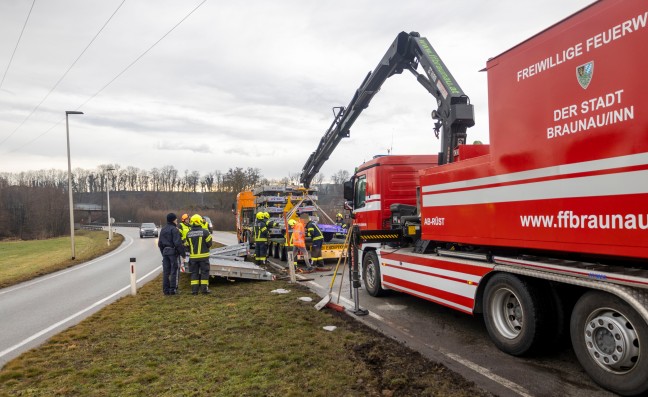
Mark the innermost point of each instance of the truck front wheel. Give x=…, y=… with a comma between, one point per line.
x=514, y=315
x=610, y=338
x=371, y=274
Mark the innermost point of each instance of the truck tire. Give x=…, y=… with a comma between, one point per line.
x=515, y=317
x=328, y=236
x=371, y=274
x=275, y=250
x=610, y=340
x=283, y=256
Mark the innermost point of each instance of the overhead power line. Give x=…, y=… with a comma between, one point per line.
x=18, y=42
x=64, y=74
x=116, y=77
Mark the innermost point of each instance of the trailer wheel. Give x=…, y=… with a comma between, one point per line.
x=371, y=274
x=328, y=236
x=514, y=315
x=282, y=253
x=275, y=250
x=610, y=339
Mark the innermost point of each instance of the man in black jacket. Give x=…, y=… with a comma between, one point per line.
x=171, y=247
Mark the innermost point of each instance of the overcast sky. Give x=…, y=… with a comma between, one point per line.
x=237, y=83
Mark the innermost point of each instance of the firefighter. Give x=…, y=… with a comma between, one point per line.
x=269, y=223
x=339, y=220
x=317, y=238
x=298, y=242
x=260, y=239
x=171, y=248
x=183, y=227
x=199, y=240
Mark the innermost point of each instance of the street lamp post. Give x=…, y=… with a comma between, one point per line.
x=110, y=234
x=67, y=133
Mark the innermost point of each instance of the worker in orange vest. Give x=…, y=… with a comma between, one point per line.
x=298, y=242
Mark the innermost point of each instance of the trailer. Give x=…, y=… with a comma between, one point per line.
x=229, y=262
x=284, y=202
x=544, y=230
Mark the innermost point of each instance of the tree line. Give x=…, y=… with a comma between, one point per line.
x=35, y=205
x=164, y=179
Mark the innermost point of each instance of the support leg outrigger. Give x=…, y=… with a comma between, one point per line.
x=355, y=276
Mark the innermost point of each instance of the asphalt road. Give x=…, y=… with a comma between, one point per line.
x=461, y=342
x=34, y=311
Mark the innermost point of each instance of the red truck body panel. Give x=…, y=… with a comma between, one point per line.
x=388, y=180
x=567, y=166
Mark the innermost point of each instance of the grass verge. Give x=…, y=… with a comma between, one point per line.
x=242, y=340
x=23, y=260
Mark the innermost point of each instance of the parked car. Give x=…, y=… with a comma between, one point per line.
x=210, y=225
x=149, y=230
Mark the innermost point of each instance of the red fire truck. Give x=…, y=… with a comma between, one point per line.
x=545, y=229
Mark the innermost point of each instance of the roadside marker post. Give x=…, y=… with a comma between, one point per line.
x=291, y=267
x=133, y=277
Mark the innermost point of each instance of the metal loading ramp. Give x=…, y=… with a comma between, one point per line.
x=229, y=262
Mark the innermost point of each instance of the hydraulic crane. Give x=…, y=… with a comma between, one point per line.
x=453, y=115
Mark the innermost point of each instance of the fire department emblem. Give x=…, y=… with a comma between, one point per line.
x=584, y=74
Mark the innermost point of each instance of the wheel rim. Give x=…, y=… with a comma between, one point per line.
x=611, y=340
x=371, y=273
x=508, y=316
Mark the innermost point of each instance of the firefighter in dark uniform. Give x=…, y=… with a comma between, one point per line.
x=260, y=239
x=317, y=238
x=199, y=240
x=171, y=248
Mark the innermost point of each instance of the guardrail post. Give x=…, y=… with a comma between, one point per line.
x=133, y=277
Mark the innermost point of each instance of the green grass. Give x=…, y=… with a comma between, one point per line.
x=242, y=340
x=23, y=260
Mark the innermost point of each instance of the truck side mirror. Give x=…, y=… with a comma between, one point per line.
x=348, y=190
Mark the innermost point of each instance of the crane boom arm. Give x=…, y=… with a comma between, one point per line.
x=454, y=113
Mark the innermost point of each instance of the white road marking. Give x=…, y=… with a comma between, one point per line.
x=72, y=317
x=348, y=304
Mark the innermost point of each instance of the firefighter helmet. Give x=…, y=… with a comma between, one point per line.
x=260, y=215
x=266, y=215
x=184, y=217
x=292, y=222
x=196, y=220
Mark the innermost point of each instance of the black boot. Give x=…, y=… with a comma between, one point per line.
x=194, y=290
x=205, y=290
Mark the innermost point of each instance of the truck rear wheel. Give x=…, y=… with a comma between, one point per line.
x=514, y=315
x=371, y=274
x=282, y=254
x=610, y=338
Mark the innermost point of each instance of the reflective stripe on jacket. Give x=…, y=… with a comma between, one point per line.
x=199, y=241
x=260, y=231
x=314, y=232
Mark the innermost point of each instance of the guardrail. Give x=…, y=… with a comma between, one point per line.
x=91, y=227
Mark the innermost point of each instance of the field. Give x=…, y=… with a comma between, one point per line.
x=23, y=260
x=242, y=340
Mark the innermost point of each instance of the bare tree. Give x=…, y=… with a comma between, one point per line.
x=340, y=177
x=319, y=179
